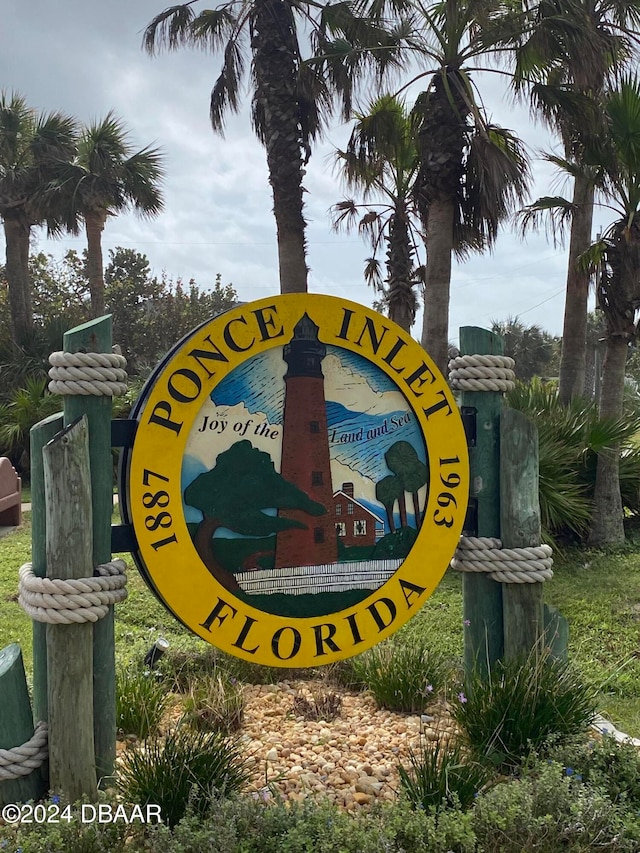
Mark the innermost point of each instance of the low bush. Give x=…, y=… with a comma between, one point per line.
x=186, y=769
x=605, y=764
x=520, y=705
x=547, y=811
x=442, y=775
x=318, y=705
x=215, y=703
x=141, y=701
x=403, y=676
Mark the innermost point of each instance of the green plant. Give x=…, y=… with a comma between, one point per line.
x=547, y=811
x=141, y=701
x=320, y=705
x=186, y=769
x=519, y=705
x=443, y=775
x=215, y=703
x=604, y=763
x=25, y=407
x=570, y=437
x=403, y=676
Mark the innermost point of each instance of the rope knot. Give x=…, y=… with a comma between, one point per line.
x=482, y=373
x=64, y=602
x=22, y=760
x=102, y=374
x=505, y=565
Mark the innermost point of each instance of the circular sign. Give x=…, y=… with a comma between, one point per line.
x=298, y=480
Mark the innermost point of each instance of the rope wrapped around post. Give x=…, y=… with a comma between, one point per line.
x=64, y=602
x=506, y=565
x=482, y=373
x=22, y=760
x=96, y=373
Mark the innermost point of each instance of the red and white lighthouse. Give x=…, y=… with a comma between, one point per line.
x=305, y=451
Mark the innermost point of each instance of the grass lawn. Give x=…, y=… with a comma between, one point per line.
x=598, y=592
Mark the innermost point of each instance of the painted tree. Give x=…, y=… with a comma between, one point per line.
x=388, y=491
x=411, y=472
x=290, y=98
x=31, y=145
x=234, y=494
x=380, y=163
x=106, y=177
x=569, y=50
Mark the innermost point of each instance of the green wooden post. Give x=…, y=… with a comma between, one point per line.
x=482, y=597
x=16, y=725
x=40, y=435
x=96, y=336
x=67, y=484
x=520, y=528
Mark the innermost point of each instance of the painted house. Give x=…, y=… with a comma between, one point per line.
x=355, y=524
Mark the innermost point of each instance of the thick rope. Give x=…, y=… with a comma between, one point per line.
x=22, y=760
x=102, y=374
x=506, y=565
x=64, y=602
x=482, y=373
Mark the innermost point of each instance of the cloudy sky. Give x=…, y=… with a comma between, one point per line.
x=85, y=58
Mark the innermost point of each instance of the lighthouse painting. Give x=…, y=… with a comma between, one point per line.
x=304, y=480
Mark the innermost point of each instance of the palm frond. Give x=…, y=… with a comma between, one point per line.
x=170, y=29
x=553, y=212
x=225, y=94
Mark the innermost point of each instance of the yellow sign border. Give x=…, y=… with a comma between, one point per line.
x=166, y=550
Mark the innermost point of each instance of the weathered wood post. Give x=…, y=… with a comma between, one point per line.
x=96, y=336
x=16, y=725
x=67, y=481
x=41, y=434
x=482, y=596
x=520, y=528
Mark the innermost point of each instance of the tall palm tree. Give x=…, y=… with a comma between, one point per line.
x=570, y=50
x=31, y=145
x=616, y=260
x=106, y=177
x=290, y=99
x=381, y=162
x=472, y=173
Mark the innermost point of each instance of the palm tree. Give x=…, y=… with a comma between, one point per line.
x=381, y=162
x=472, y=173
x=31, y=145
x=570, y=49
x=615, y=257
x=291, y=98
x=106, y=177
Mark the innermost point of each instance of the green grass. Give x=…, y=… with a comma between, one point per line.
x=598, y=592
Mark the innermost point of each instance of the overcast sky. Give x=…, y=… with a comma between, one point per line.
x=85, y=58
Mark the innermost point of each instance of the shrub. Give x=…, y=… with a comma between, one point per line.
x=215, y=703
x=519, y=705
x=403, y=676
x=569, y=440
x=605, y=764
x=442, y=775
x=320, y=705
x=141, y=701
x=187, y=769
x=547, y=811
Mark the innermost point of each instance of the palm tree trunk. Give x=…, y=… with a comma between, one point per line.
x=439, y=242
x=574, y=333
x=607, y=526
x=94, y=226
x=402, y=506
x=17, y=233
x=400, y=293
x=276, y=99
x=416, y=510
